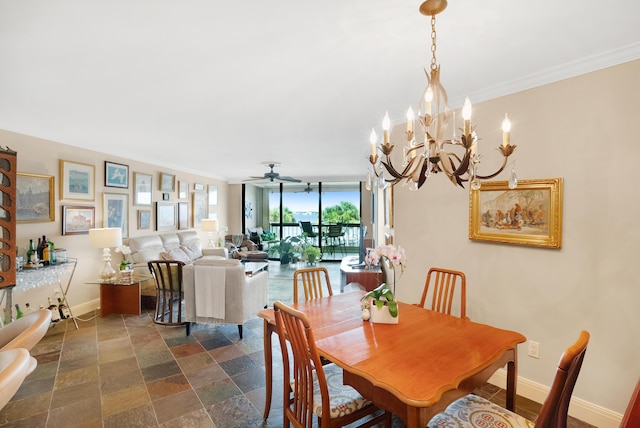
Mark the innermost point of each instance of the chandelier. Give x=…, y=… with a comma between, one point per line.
x=455, y=157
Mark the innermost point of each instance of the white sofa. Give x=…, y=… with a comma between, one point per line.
x=163, y=247
x=244, y=296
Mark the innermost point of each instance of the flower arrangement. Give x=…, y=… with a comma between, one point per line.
x=126, y=252
x=396, y=255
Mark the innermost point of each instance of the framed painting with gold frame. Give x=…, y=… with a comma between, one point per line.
x=34, y=198
x=530, y=214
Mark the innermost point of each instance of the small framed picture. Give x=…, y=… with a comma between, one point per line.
x=144, y=219
x=166, y=217
x=183, y=215
x=115, y=211
x=116, y=175
x=167, y=182
x=198, y=186
x=34, y=198
x=199, y=208
x=77, y=181
x=183, y=189
x=213, y=194
x=142, y=188
x=77, y=220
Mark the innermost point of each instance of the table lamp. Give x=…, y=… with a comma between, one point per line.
x=106, y=238
x=210, y=226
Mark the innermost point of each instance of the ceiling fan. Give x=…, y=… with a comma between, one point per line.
x=272, y=175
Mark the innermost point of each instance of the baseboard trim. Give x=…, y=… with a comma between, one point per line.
x=85, y=307
x=579, y=408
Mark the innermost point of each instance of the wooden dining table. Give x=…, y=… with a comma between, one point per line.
x=413, y=369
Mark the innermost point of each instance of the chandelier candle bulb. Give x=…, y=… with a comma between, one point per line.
x=506, y=128
x=373, y=139
x=466, y=115
x=410, y=118
x=428, y=97
x=386, y=124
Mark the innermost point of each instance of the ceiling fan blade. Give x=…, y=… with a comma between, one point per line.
x=291, y=179
x=255, y=179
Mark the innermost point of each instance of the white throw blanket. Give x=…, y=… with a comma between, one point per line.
x=209, y=291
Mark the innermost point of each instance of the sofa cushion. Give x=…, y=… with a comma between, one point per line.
x=170, y=241
x=192, y=250
x=145, y=248
x=175, y=254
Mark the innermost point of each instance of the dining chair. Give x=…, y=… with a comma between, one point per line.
x=312, y=283
x=631, y=418
x=25, y=332
x=311, y=388
x=473, y=411
x=169, y=293
x=445, y=282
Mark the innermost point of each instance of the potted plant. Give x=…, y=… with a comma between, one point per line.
x=382, y=305
x=312, y=254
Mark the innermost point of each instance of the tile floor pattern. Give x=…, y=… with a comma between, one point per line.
x=126, y=371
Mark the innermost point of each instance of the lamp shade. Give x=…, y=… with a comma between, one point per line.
x=209, y=225
x=106, y=237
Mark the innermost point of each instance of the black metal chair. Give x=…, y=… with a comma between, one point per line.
x=169, y=293
x=334, y=238
x=307, y=229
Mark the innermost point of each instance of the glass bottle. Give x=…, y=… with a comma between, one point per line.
x=19, y=313
x=55, y=313
x=32, y=255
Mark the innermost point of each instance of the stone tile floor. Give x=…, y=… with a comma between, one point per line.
x=126, y=371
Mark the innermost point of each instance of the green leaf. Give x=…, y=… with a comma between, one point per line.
x=393, y=308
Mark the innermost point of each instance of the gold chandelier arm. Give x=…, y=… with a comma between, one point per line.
x=485, y=177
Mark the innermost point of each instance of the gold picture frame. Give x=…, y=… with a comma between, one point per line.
x=34, y=198
x=530, y=214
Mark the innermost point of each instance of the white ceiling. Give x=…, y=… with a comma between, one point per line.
x=218, y=87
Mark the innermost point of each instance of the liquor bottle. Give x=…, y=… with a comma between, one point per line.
x=52, y=254
x=39, y=249
x=32, y=255
x=7, y=316
x=46, y=253
x=41, y=244
x=64, y=310
x=28, y=308
x=19, y=313
x=55, y=314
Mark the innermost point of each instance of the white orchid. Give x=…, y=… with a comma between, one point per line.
x=396, y=255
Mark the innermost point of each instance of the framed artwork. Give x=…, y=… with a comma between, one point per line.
x=183, y=189
x=77, y=220
x=34, y=198
x=167, y=182
x=144, y=219
x=166, y=218
x=198, y=186
x=183, y=215
x=115, y=211
x=530, y=214
x=388, y=206
x=213, y=194
x=116, y=175
x=199, y=208
x=77, y=181
x=142, y=188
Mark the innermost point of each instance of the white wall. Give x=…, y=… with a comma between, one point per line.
x=585, y=130
x=40, y=156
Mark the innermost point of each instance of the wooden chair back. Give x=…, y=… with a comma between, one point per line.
x=445, y=282
x=293, y=326
x=312, y=283
x=553, y=413
x=631, y=417
x=169, y=293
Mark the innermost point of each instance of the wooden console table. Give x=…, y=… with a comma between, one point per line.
x=118, y=297
x=369, y=279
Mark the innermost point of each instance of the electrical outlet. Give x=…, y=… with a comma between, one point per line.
x=534, y=349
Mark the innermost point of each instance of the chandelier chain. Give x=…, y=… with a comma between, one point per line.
x=434, y=63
